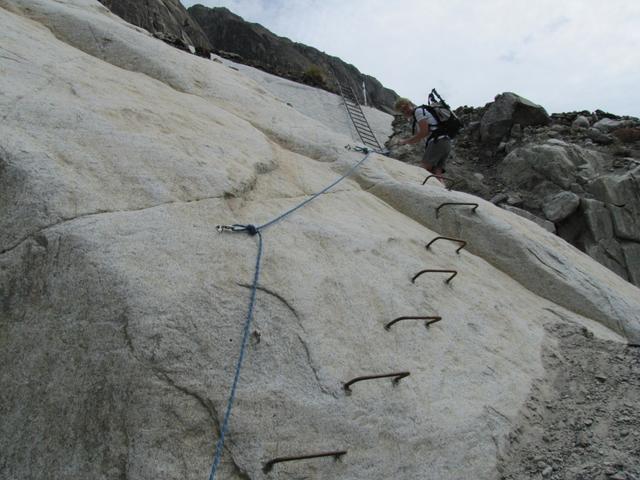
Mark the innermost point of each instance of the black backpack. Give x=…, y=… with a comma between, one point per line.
x=448, y=123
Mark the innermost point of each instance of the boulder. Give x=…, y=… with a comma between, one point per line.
x=608, y=125
x=555, y=161
x=599, y=137
x=559, y=206
x=620, y=193
x=499, y=198
x=580, y=122
x=514, y=200
x=507, y=110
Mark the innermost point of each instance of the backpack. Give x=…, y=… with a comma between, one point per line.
x=448, y=123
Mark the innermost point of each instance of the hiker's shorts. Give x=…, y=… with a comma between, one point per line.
x=436, y=153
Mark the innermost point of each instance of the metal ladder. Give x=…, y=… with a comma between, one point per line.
x=363, y=128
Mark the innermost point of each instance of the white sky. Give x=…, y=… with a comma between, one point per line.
x=563, y=54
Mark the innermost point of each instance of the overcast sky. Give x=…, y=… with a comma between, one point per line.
x=563, y=54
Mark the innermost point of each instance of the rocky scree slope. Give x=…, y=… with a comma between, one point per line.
x=121, y=307
x=576, y=174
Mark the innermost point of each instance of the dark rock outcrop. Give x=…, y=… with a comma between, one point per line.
x=508, y=110
x=167, y=19
x=261, y=48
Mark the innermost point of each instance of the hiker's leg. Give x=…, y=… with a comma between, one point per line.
x=427, y=166
x=426, y=160
x=439, y=172
x=438, y=155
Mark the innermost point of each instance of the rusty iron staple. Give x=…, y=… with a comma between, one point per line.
x=474, y=205
x=429, y=321
x=453, y=182
x=269, y=465
x=398, y=376
x=464, y=244
x=454, y=272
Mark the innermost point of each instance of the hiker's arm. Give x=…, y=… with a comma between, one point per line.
x=423, y=132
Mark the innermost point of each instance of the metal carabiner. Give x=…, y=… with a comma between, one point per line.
x=230, y=228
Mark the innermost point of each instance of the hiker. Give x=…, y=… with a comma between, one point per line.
x=438, y=146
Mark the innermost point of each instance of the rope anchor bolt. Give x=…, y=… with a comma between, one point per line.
x=250, y=229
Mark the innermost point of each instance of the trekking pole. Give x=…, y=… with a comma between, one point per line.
x=434, y=93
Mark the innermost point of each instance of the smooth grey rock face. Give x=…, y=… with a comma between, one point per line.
x=507, y=110
x=560, y=206
x=122, y=306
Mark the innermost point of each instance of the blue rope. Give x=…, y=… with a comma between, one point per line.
x=253, y=230
x=288, y=212
x=243, y=348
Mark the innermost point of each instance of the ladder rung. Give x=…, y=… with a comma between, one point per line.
x=365, y=126
x=358, y=114
x=371, y=139
x=368, y=133
x=362, y=123
x=368, y=137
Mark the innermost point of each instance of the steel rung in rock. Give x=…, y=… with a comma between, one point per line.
x=430, y=320
x=269, y=465
x=453, y=272
x=398, y=376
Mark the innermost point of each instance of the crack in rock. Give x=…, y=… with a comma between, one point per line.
x=206, y=403
x=304, y=344
x=101, y=212
x=546, y=264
